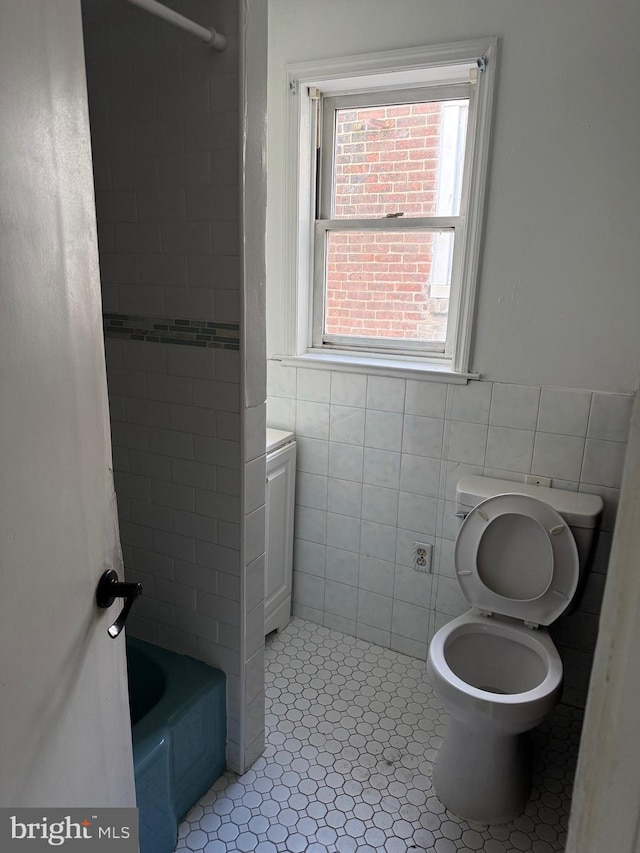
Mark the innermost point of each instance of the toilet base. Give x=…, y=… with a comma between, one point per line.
x=482, y=777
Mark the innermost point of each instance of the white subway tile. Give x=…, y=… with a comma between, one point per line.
x=226, y=237
x=197, y=474
x=254, y=484
x=167, y=442
x=173, y=545
x=226, y=309
x=151, y=515
x=140, y=299
x=173, y=495
x=191, y=419
x=215, y=271
x=175, y=593
x=166, y=205
x=137, y=237
x=221, y=396
x=216, y=451
x=119, y=269
x=141, y=411
x=149, y=465
x=218, y=557
x=185, y=302
x=163, y=270
x=185, y=238
x=184, y=170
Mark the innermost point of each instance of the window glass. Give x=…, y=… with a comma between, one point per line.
x=399, y=158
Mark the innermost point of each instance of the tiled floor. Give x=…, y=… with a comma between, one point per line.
x=352, y=730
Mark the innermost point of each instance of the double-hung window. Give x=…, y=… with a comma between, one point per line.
x=398, y=151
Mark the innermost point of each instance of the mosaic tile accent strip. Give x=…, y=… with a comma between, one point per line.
x=352, y=733
x=170, y=330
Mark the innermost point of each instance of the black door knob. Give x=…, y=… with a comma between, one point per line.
x=110, y=588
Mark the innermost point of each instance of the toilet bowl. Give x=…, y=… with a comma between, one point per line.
x=497, y=681
x=495, y=668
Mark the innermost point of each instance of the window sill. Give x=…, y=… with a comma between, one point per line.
x=430, y=371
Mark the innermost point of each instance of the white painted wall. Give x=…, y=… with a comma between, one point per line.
x=606, y=794
x=558, y=296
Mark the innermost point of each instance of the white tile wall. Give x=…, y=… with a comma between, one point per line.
x=394, y=484
x=165, y=135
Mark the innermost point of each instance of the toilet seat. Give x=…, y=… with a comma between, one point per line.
x=516, y=556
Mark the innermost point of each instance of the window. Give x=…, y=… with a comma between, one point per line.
x=392, y=164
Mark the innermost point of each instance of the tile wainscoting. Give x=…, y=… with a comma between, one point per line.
x=378, y=463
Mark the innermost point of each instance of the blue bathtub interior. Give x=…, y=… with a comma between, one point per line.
x=178, y=715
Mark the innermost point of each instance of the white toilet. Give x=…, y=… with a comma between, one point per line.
x=520, y=555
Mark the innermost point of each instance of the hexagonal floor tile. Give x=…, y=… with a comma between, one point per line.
x=352, y=731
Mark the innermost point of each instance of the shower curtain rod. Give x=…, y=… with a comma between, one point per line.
x=214, y=39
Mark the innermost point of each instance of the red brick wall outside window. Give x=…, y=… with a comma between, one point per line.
x=378, y=284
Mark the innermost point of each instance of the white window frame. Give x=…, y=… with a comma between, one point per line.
x=446, y=64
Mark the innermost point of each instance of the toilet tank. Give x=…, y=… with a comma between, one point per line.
x=581, y=512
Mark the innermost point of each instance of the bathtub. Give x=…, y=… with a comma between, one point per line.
x=178, y=717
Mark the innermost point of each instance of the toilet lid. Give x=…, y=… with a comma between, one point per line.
x=516, y=556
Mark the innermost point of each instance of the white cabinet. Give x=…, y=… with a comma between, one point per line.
x=280, y=488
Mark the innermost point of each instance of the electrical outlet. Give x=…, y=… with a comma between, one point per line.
x=534, y=480
x=422, y=552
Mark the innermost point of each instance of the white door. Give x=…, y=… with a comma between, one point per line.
x=64, y=724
